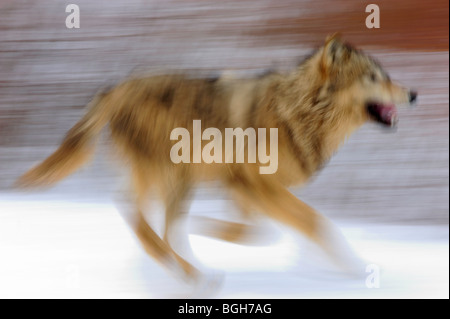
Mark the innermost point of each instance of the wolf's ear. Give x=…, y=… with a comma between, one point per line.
x=335, y=52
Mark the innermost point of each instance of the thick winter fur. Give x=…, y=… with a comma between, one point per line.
x=315, y=108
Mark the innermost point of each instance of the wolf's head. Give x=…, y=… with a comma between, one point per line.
x=359, y=86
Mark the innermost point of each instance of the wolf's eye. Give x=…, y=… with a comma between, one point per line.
x=373, y=77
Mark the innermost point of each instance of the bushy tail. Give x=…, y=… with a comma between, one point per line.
x=75, y=150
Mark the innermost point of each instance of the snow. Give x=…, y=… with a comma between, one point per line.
x=68, y=249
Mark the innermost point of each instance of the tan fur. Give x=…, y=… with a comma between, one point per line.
x=315, y=108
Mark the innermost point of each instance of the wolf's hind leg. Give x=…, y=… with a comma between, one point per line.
x=174, y=193
x=161, y=251
x=174, y=196
x=150, y=240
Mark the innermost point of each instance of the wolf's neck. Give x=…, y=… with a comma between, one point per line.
x=309, y=124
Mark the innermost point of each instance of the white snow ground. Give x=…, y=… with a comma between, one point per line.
x=61, y=249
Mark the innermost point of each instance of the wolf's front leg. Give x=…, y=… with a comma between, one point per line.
x=273, y=199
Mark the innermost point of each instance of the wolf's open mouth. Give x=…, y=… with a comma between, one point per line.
x=385, y=113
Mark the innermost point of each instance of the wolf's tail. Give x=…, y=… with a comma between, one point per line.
x=75, y=150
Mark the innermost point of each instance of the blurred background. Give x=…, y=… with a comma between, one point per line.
x=48, y=73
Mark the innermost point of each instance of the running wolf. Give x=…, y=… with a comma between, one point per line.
x=315, y=108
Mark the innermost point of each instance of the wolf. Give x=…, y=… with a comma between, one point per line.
x=315, y=107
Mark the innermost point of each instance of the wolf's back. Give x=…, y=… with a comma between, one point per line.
x=74, y=151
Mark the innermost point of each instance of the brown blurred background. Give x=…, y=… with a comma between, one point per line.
x=48, y=73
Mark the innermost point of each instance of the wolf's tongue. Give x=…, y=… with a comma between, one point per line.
x=384, y=113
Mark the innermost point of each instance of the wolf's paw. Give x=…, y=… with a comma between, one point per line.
x=207, y=284
x=338, y=250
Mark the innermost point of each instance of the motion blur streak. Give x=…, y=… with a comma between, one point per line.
x=388, y=191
